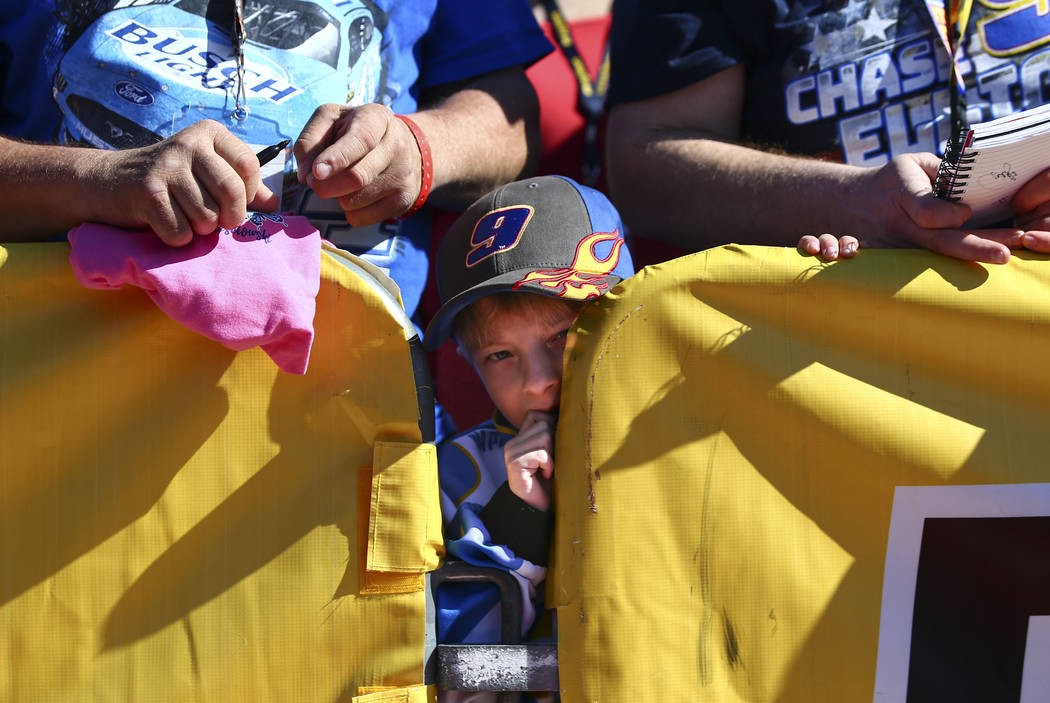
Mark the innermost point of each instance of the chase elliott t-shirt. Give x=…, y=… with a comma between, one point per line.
x=859, y=81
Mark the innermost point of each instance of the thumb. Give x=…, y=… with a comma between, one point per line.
x=919, y=201
x=930, y=212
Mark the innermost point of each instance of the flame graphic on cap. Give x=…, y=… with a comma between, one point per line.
x=585, y=278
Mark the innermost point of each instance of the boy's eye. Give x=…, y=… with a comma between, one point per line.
x=560, y=337
x=499, y=355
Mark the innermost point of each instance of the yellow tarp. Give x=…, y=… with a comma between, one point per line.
x=742, y=439
x=753, y=452
x=179, y=522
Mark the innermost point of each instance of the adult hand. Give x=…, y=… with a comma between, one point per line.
x=1031, y=205
x=363, y=156
x=906, y=213
x=201, y=178
x=530, y=459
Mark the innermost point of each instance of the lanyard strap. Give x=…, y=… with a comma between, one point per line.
x=591, y=90
x=950, y=18
x=240, y=38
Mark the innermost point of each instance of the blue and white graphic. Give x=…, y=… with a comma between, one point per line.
x=876, y=70
x=169, y=69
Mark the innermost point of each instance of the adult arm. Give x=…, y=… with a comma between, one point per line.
x=677, y=173
x=482, y=133
x=199, y=179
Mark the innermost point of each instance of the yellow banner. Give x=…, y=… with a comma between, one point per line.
x=783, y=480
x=179, y=522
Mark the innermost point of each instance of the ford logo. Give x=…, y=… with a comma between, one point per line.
x=133, y=93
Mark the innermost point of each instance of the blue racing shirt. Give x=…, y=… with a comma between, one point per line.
x=487, y=525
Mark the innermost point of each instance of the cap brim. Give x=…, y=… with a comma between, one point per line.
x=440, y=327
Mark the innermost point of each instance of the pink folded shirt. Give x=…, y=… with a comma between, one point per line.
x=251, y=286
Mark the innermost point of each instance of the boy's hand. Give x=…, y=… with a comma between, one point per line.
x=530, y=459
x=829, y=247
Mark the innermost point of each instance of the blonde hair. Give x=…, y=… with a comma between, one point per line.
x=470, y=327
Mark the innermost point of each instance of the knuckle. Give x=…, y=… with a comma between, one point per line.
x=359, y=176
x=228, y=190
x=331, y=109
x=245, y=163
x=362, y=139
x=376, y=111
x=185, y=139
x=170, y=160
x=369, y=128
x=154, y=192
x=208, y=127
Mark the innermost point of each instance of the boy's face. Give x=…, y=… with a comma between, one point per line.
x=519, y=359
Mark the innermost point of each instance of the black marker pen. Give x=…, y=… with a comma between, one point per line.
x=267, y=155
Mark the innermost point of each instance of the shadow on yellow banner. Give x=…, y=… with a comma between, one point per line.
x=784, y=480
x=179, y=522
x=779, y=480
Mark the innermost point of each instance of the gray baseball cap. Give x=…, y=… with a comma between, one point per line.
x=547, y=235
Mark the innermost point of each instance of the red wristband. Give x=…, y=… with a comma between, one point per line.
x=427, y=178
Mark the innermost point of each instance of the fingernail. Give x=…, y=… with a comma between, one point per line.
x=831, y=253
x=848, y=249
x=322, y=170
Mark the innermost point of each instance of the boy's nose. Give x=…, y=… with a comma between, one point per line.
x=542, y=375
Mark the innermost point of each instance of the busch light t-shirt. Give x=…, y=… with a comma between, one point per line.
x=859, y=81
x=126, y=73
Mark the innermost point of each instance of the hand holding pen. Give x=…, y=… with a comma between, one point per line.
x=196, y=180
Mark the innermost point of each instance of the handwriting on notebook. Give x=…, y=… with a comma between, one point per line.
x=987, y=164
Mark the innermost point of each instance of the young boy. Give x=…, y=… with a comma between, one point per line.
x=513, y=272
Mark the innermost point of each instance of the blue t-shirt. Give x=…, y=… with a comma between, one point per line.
x=141, y=71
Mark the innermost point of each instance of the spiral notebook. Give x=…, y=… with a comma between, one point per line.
x=987, y=164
